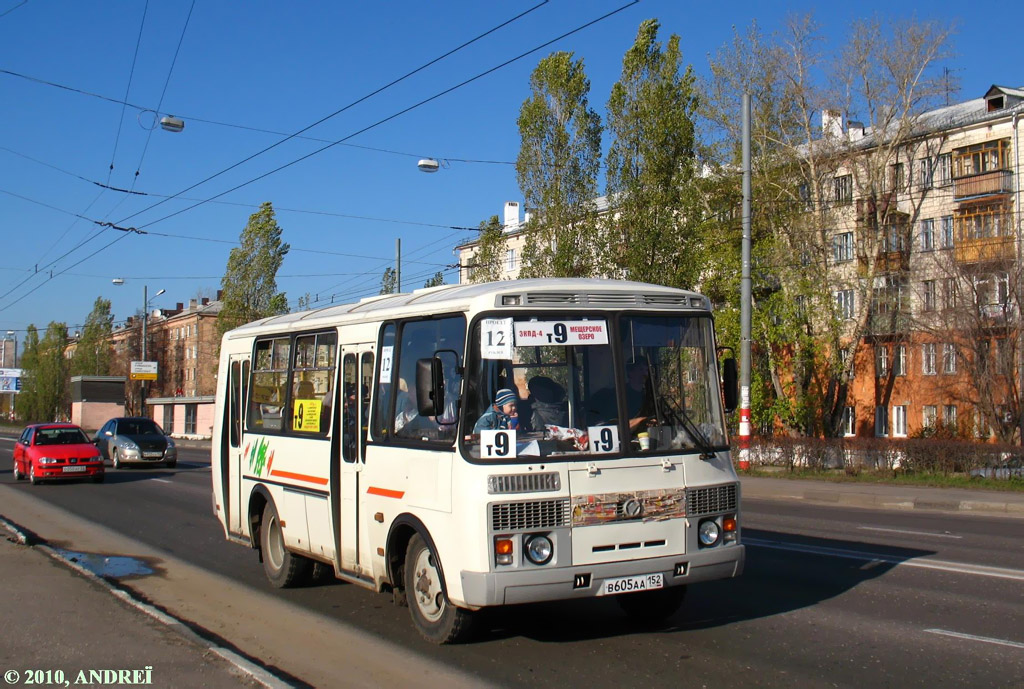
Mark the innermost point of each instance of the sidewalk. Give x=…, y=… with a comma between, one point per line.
x=57, y=620
x=882, y=496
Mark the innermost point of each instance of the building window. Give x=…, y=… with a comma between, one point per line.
x=510, y=260
x=191, y=411
x=847, y=360
x=899, y=421
x=924, y=168
x=946, y=235
x=928, y=358
x=887, y=295
x=928, y=234
x=949, y=358
x=983, y=221
x=949, y=417
x=845, y=304
x=843, y=189
x=849, y=422
x=949, y=293
x=928, y=294
x=929, y=416
x=945, y=169
x=899, y=362
x=895, y=238
x=168, y=418
x=983, y=157
x=897, y=179
x=881, y=422
x=842, y=247
x=992, y=294
x=881, y=361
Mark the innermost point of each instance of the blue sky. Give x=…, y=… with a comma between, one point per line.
x=280, y=67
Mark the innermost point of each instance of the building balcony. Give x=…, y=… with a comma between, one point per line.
x=985, y=250
x=983, y=184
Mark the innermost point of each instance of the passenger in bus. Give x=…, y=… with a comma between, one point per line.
x=639, y=399
x=548, y=402
x=502, y=414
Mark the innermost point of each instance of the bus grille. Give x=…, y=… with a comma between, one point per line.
x=525, y=516
x=701, y=501
x=524, y=483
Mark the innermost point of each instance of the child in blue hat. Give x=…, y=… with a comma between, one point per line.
x=502, y=414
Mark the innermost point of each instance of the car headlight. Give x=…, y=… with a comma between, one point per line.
x=539, y=549
x=129, y=448
x=708, y=532
x=47, y=460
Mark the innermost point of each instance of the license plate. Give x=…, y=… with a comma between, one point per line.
x=72, y=470
x=642, y=582
x=152, y=455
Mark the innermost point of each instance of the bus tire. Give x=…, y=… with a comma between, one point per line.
x=652, y=607
x=433, y=615
x=283, y=569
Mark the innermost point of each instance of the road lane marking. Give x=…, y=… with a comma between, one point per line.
x=161, y=480
x=910, y=533
x=972, y=637
x=922, y=563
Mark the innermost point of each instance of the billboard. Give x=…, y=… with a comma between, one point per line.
x=143, y=370
x=10, y=380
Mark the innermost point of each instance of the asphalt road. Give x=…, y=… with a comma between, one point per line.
x=830, y=597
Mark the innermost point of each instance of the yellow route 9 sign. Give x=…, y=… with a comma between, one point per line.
x=306, y=416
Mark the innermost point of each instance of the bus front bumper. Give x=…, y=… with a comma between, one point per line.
x=536, y=584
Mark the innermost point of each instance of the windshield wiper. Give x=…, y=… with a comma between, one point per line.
x=679, y=418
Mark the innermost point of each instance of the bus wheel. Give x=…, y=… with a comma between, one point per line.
x=282, y=568
x=435, y=618
x=650, y=607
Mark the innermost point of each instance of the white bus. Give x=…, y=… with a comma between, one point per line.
x=365, y=438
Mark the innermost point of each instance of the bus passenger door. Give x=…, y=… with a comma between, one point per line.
x=356, y=379
x=231, y=466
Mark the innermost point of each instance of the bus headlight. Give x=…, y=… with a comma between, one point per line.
x=538, y=549
x=708, y=532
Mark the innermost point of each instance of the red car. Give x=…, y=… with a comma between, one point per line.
x=56, y=451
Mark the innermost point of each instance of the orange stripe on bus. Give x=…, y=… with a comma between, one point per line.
x=384, y=492
x=300, y=477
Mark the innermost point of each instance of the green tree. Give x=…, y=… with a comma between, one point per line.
x=28, y=399
x=389, y=281
x=490, y=251
x=44, y=395
x=559, y=158
x=92, y=355
x=249, y=286
x=652, y=166
x=435, y=281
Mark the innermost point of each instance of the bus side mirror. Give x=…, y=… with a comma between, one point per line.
x=729, y=384
x=429, y=386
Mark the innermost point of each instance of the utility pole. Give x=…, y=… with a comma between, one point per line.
x=398, y=265
x=145, y=317
x=745, y=298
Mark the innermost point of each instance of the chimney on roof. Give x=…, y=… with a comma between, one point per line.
x=855, y=130
x=511, y=223
x=219, y=293
x=831, y=123
x=191, y=303
x=206, y=300
x=180, y=306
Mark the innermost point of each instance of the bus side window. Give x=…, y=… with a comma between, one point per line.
x=382, y=413
x=350, y=409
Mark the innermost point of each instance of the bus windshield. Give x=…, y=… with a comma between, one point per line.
x=591, y=386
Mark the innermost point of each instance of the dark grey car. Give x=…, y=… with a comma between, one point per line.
x=135, y=440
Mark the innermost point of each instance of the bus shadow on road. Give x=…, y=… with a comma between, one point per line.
x=784, y=572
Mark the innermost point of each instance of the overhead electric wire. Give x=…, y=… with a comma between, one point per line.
x=386, y=119
x=338, y=112
x=194, y=118
x=163, y=93
x=127, y=90
x=23, y=2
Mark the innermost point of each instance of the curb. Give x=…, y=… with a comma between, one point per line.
x=181, y=627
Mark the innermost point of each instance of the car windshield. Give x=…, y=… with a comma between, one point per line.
x=60, y=436
x=138, y=427
x=559, y=386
